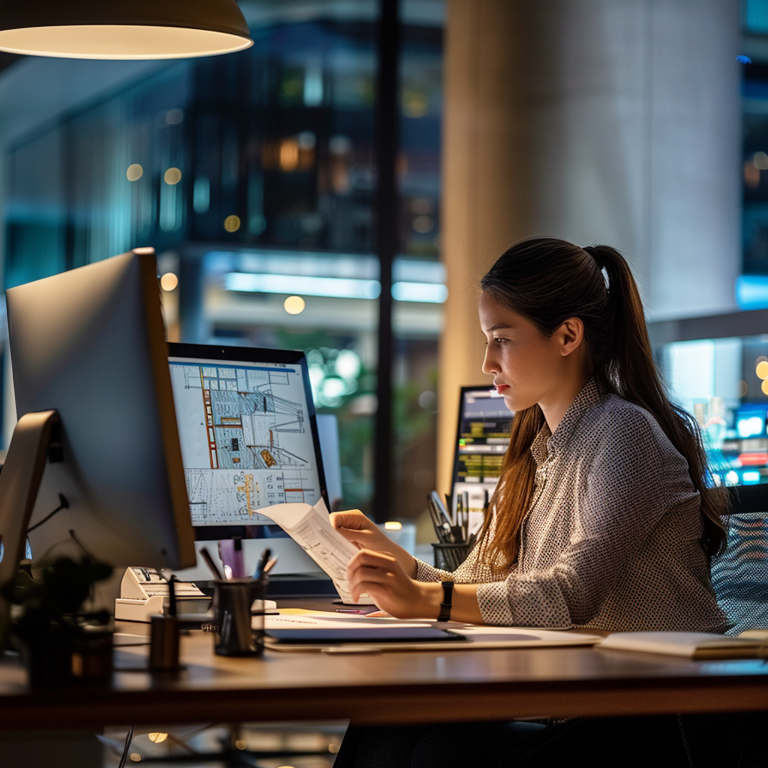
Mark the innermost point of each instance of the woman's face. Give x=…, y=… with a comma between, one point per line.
x=527, y=367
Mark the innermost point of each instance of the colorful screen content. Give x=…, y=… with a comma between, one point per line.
x=738, y=453
x=483, y=436
x=246, y=440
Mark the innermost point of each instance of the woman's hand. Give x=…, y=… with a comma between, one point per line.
x=381, y=576
x=354, y=526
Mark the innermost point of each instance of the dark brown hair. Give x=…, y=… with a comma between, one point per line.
x=548, y=281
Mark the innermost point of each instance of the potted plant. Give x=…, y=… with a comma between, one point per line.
x=48, y=626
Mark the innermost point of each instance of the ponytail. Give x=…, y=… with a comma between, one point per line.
x=548, y=281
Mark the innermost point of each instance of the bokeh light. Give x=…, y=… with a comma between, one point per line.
x=294, y=305
x=172, y=176
x=169, y=281
x=232, y=223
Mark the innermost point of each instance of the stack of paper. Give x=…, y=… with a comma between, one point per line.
x=694, y=645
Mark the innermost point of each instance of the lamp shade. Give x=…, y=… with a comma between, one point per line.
x=122, y=29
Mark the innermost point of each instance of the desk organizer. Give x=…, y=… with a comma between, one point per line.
x=448, y=557
x=238, y=608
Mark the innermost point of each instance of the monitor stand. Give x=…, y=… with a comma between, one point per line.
x=36, y=437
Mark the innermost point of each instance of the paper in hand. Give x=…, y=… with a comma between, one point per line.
x=310, y=527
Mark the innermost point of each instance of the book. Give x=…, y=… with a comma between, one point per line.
x=693, y=645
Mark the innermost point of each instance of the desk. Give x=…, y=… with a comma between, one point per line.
x=389, y=688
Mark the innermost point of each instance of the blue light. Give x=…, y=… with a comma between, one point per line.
x=750, y=426
x=427, y=293
x=750, y=478
x=335, y=287
x=752, y=291
x=743, y=59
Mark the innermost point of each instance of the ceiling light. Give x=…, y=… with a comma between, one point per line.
x=140, y=29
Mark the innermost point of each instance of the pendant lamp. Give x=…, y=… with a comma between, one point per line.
x=122, y=29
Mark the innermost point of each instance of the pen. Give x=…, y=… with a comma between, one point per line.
x=209, y=561
x=263, y=560
x=269, y=566
x=238, y=566
x=172, y=595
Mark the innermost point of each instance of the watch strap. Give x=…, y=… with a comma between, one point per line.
x=445, y=606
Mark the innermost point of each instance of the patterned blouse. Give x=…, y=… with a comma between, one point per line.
x=611, y=539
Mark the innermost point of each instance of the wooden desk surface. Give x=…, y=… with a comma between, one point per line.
x=392, y=687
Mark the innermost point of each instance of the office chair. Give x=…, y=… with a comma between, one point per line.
x=740, y=574
x=740, y=580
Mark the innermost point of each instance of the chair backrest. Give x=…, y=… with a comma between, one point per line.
x=740, y=575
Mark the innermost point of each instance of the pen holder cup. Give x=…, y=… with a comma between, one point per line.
x=448, y=557
x=238, y=607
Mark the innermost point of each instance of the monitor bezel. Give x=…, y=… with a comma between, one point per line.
x=220, y=353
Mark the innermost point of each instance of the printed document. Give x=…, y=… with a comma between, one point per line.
x=310, y=527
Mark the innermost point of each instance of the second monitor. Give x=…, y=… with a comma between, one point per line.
x=249, y=439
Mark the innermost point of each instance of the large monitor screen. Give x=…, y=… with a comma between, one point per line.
x=248, y=434
x=483, y=436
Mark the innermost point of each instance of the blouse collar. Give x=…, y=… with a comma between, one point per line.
x=546, y=443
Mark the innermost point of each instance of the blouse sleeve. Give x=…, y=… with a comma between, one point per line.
x=624, y=494
x=426, y=572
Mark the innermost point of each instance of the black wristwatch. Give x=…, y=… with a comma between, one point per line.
x=445, y=606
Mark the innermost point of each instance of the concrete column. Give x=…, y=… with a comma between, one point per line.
x=595, y=121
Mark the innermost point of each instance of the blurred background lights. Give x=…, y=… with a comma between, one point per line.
x=332, y=390
x=294, y=305
x=307, y=140
x=743, y=388
x=335, y=287
x=289, y=155
x=174, y=116
x=232, y=223
x=169, y=281
x=134, y=172
x=348, y=364
x=428, y=400
x=172, y=176
x=393, y=525
x=423, y=224
x=760, y=161
x=762, y=369
x=764, y=387
x=157, y=738
x=743, y=59
x=750, y=427
x=732, y=478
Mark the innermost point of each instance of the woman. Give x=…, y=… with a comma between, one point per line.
x=599, y=520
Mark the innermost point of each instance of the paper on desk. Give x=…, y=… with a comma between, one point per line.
x=310, y=527
x=335, y=621
x=479, y=635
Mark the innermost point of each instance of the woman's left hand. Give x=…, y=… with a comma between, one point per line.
x=381, y=576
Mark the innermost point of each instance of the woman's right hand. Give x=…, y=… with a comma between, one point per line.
x=354, y=526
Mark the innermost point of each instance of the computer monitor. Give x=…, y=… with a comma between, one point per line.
x=249, y=439
x=89, y=346
x=481, y=442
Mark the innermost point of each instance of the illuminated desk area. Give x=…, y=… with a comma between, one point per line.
x=387, y=688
